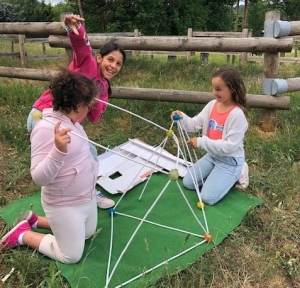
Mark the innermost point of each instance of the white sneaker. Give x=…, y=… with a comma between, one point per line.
x=243, y=182
x=103, y=202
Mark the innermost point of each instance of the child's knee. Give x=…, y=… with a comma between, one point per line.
x=209, y=199
x=71, y=259
x=188, y=184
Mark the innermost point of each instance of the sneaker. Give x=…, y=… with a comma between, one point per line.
x=103, y=202
x=243, y=182
x=10, y=240
x=31, y=217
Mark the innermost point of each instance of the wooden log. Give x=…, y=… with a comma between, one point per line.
x=166, y=53
x=280, y=86
x=46, y=56
x=33, y=28
x=8, y=36
x=32, y=40
x=216, y=34
x=15, y=54
x=293, y=84
x=295, y=28
x=23, y=73
x=161, y=43
x=168, y=95
x=120, y=34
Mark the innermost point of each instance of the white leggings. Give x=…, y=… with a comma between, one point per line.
x=71, y=226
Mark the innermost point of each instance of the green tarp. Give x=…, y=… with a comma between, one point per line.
x=141, y=246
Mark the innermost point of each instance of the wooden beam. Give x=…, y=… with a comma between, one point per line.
x=164, y=43
x=295, y=28
x=199, y=97
x=33, y=28
x=23, y=73
x=293, y=84
x=168, y=95
x=216, y=34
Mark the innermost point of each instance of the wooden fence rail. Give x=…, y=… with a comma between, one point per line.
x=33, y=28
x=253, y=100
x=204, y=35
x=23, y=55
x=165, y=43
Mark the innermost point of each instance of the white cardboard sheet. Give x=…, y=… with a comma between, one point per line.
x=131, y=163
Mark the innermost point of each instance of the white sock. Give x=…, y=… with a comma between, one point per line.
x=20, y=238
x=34, y=226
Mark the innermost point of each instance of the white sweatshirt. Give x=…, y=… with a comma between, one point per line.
x=234, y=131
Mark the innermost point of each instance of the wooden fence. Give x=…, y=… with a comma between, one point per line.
x=204, y=56
x=282, y=56
x=23, y=55
x=270, y=45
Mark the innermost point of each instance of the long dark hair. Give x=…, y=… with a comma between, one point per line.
x=106, y=49
x=234, y=81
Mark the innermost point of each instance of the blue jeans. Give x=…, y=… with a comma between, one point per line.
x=219, y=174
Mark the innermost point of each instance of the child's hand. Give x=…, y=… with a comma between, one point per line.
x=72, y=21
x=62, y=138
x=176, y=112
x=193, y=142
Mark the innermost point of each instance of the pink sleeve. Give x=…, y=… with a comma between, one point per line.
x=98, y=109
x=81, y=48
x=46, y=160
x=84, y=62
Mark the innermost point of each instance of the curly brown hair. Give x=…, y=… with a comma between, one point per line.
x=68, y=89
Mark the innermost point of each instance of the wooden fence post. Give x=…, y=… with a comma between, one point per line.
x=270, y=71
x=233, y=59
x=137, y=52
x=245, y=33
x=189, y=53
x=204, y=57
x=22, y=49
x=43, y=48
x=12, y=47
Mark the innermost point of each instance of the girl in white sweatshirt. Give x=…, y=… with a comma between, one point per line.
x=223, y=123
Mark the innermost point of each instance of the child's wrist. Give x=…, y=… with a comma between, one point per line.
x=67, y=28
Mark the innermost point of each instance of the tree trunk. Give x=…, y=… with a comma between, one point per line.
x=80, y=9
x=245, y=14
x=237, y=16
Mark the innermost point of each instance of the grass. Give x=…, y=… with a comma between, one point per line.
x=262, y=252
